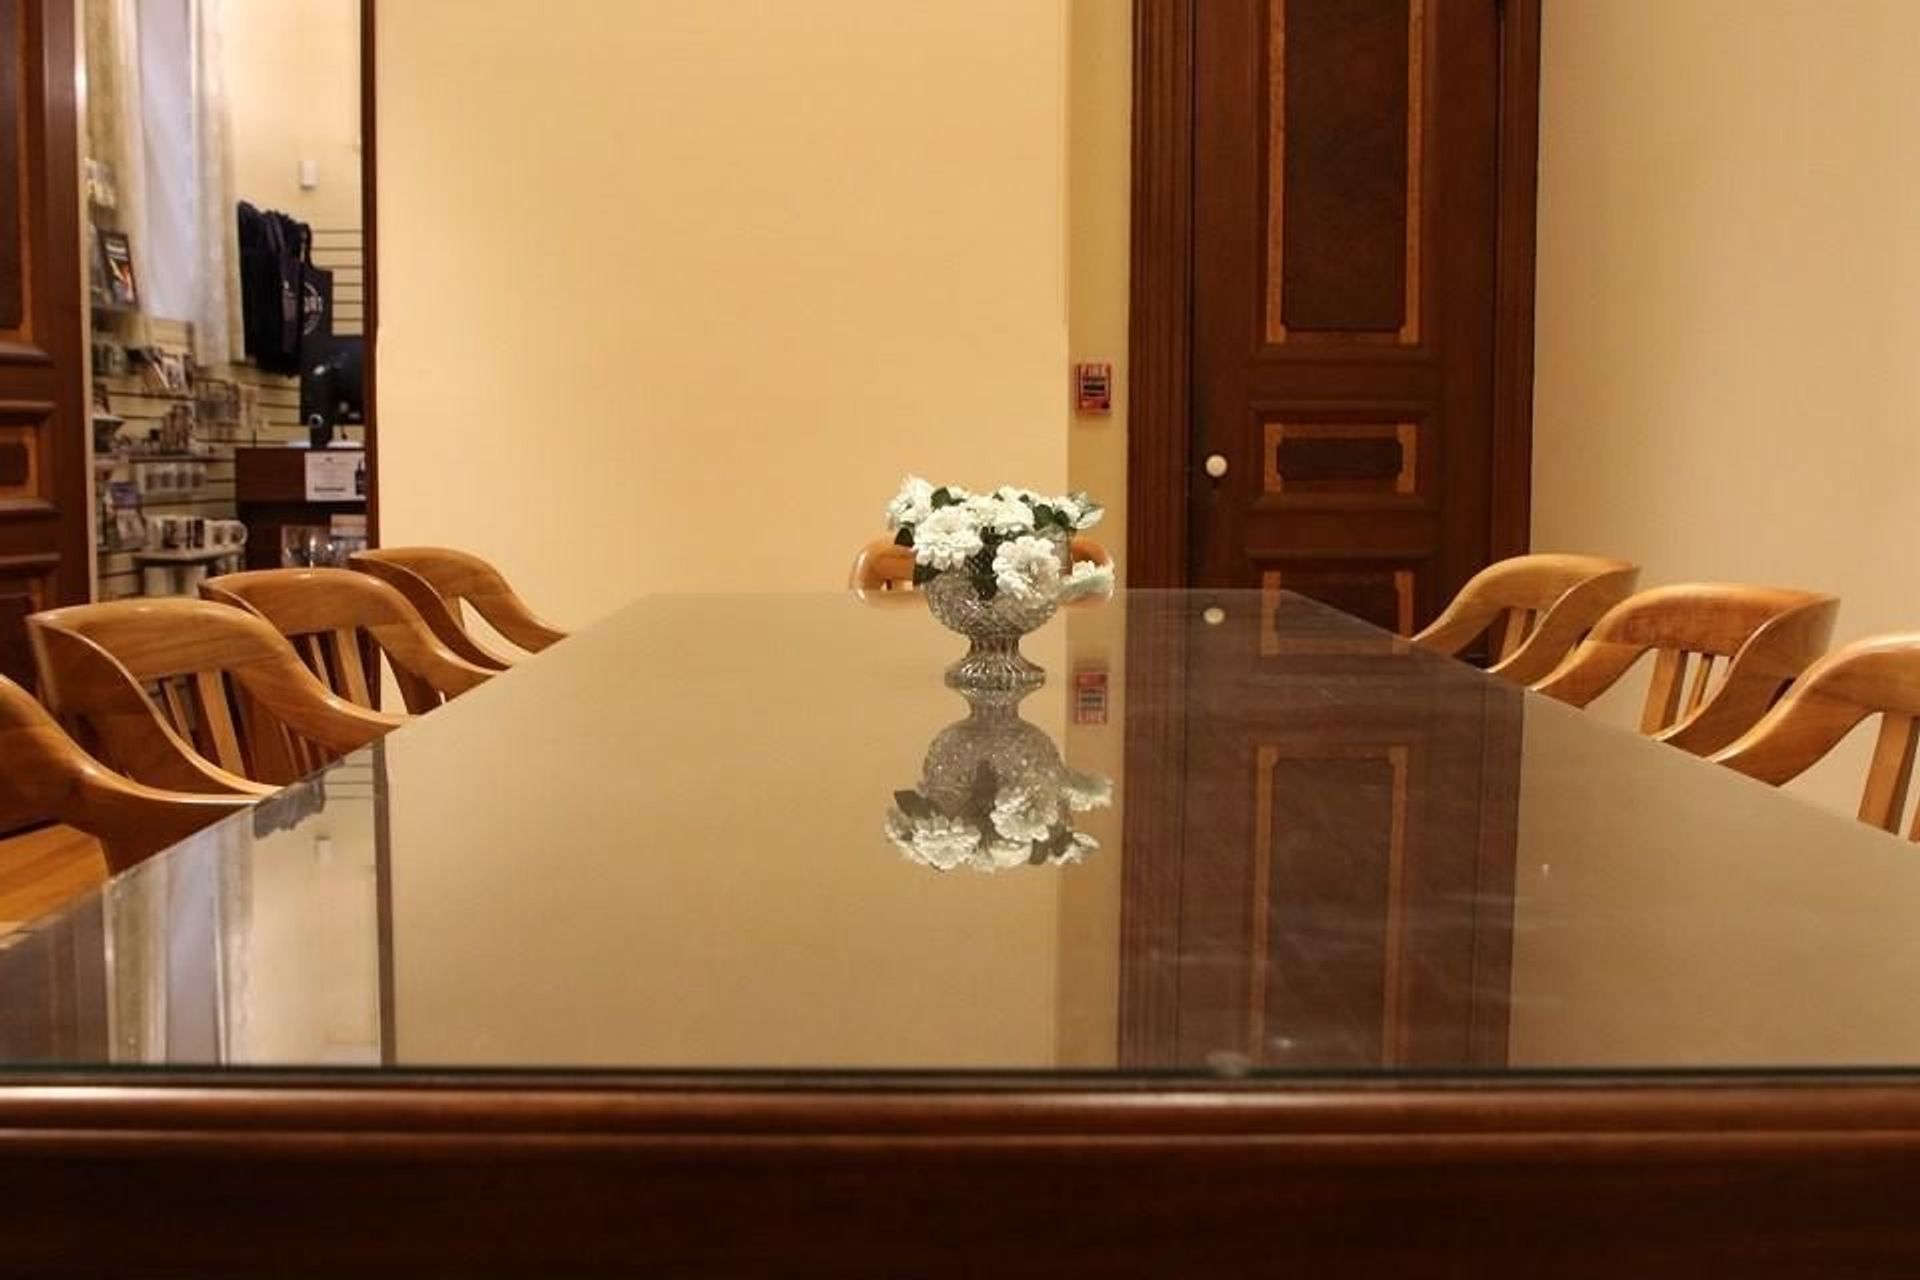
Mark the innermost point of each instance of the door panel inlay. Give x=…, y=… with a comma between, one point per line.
x=25, y=440
x=1382, y=596
x=1345, y=82
x=13, y=124
x=1328, y=984
x=1346, y=458
x=26, y=587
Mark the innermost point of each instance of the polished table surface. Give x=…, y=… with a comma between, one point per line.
x=675, y=844
x=1264, y=944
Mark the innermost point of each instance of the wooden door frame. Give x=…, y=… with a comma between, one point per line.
x=1160, y=380
x=370, y=265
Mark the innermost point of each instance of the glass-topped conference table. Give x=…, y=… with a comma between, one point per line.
x=725, y=938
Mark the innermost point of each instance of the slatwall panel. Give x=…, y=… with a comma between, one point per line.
x=338, y=249
x=276, y=420
x=276, y=412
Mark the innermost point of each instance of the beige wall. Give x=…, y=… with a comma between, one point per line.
x=293, y=81
x=672, y=294
x=1099, y=175
x=1099, y=197
x=1727, y=306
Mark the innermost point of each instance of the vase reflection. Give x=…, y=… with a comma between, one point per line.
x=994, y=793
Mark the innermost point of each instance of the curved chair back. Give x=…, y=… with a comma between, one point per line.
x=1879, y=676
x=439, y=581
x=1766, y=636
x=46, y=777
x=883, y=565
x=1539, y=607
x=336, y=619
x=192, y=696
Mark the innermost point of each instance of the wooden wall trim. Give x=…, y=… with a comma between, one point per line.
x=1514, y=253
x=370, y=258
x=521, y=1178
x=1159, y=392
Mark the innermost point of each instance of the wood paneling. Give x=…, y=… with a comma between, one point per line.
x=1160, y=325
x=1343, y=204
x=1380, y=594
x=17, y=462
x=1669, y=1180
x=1338, y=895
x=13, y=123
x=46, y=534
x=1329, y=948
x=1381, y=459
x=1346, y=227
x=1214, y=359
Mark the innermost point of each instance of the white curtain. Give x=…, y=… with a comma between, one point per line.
x=216, y=316
x=115, y=131
x=158, y=114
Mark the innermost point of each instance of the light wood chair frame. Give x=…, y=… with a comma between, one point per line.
x=46, y=777
x=436, y=581
x=1879, y=676
x=96, y=661
x=1538, y=608
x=326, y=612
x=1767, y=635
x=882, y=572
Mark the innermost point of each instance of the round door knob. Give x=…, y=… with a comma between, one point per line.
x=1216, y=465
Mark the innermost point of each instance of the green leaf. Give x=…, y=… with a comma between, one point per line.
x=904, y=538
x=923, y=574
x=942, y=498
x=1044, y=515
x=913, y=804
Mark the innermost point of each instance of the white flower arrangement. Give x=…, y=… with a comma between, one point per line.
x=998, y=827
x=1007, y=540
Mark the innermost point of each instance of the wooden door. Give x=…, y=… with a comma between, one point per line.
x=1346, y=241
x=45, y=535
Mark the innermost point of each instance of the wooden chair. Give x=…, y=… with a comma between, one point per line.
x=1540, y=606
x=438, y=581
x=46, y=777
x=1880, y=676
x=1767, y=635
x=192, y=696
x=337, y=618
x=883, y=566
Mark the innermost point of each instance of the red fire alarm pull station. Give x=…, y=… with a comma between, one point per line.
x=1093, y=387
x=1090, y=695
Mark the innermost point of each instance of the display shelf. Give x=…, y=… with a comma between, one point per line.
x=193, y=555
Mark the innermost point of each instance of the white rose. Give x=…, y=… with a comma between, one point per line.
x=1003, y=854
x=912, y=504
x=1022, y=817
x=1001, y=514
x=947, y=537
x=1083, y=844
x=939, y=842
x=1084, y=791
x=1027, y=568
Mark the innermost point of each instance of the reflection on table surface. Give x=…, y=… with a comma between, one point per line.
x=757, y=834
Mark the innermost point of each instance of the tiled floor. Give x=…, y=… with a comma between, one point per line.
x=43, y=869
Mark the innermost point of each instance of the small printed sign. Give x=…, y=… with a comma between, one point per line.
x=1090, y=695
x=336, y=475
x=1093, y=387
